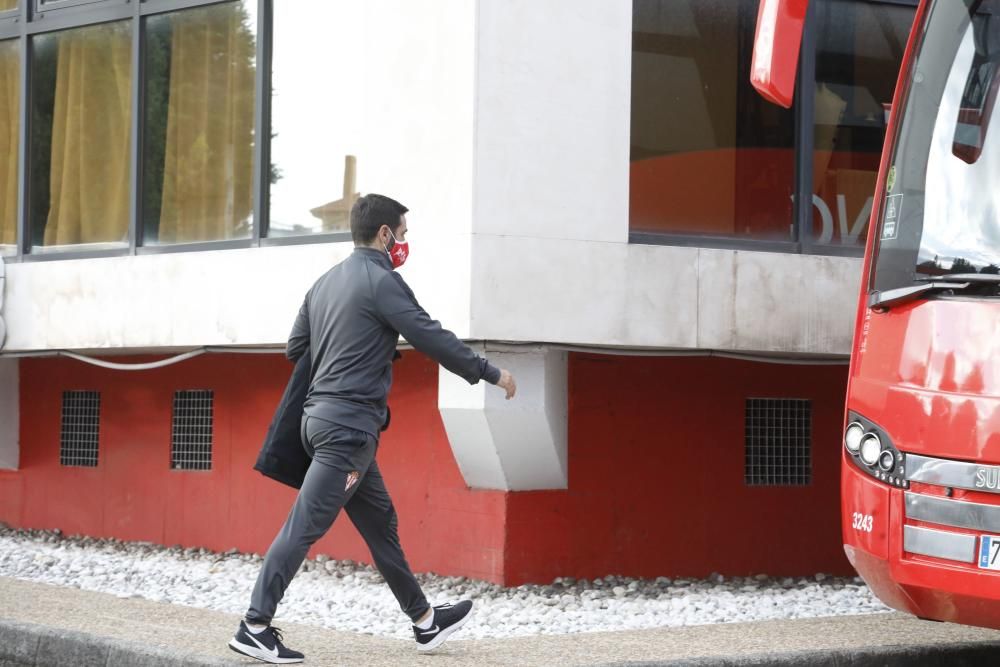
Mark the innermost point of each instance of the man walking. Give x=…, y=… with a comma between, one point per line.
x=350, y=324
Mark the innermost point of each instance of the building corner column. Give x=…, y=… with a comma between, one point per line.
x=10, y=399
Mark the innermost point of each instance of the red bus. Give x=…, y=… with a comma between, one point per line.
x=920, y=474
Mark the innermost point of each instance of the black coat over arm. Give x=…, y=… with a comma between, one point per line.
x=283, y=457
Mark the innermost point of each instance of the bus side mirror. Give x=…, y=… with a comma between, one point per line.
x=776, y=49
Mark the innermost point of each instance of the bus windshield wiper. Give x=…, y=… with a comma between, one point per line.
x=893, y=297
x=981, y=278
x=950, y=281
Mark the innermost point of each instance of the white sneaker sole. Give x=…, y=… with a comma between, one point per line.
x=264, y=656
x=444, y=634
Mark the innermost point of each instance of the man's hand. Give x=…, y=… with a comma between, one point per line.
x=507, y=383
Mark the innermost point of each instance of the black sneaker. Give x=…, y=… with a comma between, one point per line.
x=447, y=619
x=265, y=645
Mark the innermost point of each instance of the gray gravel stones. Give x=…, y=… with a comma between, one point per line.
x=343, y=595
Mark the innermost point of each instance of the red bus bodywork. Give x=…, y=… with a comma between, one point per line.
x=926, y=375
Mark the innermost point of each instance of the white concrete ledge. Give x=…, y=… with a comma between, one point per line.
x=10, y=397
x=515, y=445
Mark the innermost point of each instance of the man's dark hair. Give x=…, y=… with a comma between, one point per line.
x=372, y=211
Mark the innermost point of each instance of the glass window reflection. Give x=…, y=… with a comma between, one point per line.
x=9, y=126
x=859, y=50
x=317, y=163
x=961, y=230
x=708, y=154
x=942, y=210
x=81, y=111
x=199, y=124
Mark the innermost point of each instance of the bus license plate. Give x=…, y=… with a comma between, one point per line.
x=989, y=552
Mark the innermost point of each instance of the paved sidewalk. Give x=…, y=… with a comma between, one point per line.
x=49, y=625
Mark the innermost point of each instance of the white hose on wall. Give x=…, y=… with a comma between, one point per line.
x=184, y=356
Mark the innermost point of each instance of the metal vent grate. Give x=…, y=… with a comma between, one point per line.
x=191, y=440
x=778, y=442
x=79, y=433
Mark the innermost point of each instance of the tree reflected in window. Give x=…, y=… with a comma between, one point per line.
x=199, y=125
x=81, y=115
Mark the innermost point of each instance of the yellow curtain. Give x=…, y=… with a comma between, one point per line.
x=90, y=137
x=208, y=170
x=9, y=99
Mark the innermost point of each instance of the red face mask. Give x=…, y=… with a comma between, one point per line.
x=398, y=252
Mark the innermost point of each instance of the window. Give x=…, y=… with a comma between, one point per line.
x=708, y=155
x=191, y=435
x=199, y=125
x=940, y=214
x=10, y=16
x=315, y=137
x=141, y=125
x=778, y=442
x=81, y=116
x=859, y=48
x=80, y=431
x=10, y=126
x=710, y=159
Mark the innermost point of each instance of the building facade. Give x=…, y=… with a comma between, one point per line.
x=599, y=202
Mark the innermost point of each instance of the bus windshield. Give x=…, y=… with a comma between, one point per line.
x=941, y=213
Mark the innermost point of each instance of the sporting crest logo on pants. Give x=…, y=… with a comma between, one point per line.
x=352, y=479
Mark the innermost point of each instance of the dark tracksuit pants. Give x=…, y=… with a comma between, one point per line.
x=340, y=456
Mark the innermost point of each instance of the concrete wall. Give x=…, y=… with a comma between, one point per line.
x=655, y=471
x=552, y=119
x=663, y=297
x=504, y=127
x=525, y=289
x=551, y=259
x=656, y=476
x=133, y=494
x=414, y=141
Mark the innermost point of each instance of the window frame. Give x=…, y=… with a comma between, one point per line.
x=69, y=21
x=35, y=17
x=9, y=18
x=78, y=15
x=802, y=207
x=18, y=229
x=42, y=7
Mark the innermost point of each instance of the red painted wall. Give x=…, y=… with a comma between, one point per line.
x=656, y=455
x=656, y=476
x=134, y=495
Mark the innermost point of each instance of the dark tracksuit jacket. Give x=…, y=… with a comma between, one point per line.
x=350, y=322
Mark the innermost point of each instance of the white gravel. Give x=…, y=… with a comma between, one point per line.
x=344, y=595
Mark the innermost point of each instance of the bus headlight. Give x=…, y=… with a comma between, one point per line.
x=886, y=461
x=871, y=447
x=852, y=438
x=872, y=451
